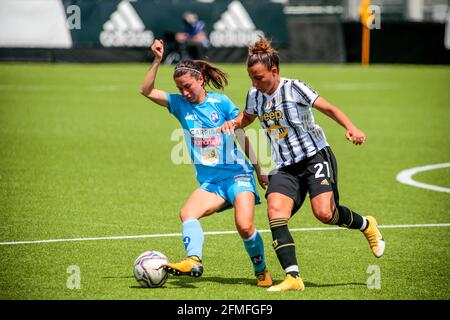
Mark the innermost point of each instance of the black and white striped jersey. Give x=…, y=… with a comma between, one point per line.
x=288, y=121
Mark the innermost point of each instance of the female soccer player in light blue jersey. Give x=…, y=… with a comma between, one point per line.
x=225, y=177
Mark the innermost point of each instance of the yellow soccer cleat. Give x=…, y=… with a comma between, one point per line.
x=289, y=283
x=263, y=278
x=373, y=235
x=191, y=266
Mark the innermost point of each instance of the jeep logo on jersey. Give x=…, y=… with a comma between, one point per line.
x=235, y=28
x=214, y=117
x=273, y=115
x=125, y=28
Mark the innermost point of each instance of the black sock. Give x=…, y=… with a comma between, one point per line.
x=344, y=217
x=283, y=244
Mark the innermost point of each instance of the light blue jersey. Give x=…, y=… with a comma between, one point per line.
x=214, y=155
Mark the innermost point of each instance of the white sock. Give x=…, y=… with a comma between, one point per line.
x=291, y=269
x=364, y=225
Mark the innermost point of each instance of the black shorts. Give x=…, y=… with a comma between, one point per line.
x=316, y=175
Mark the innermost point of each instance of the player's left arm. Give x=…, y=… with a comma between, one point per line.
x=353, y=134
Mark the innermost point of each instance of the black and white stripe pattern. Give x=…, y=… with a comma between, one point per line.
x=288, y=108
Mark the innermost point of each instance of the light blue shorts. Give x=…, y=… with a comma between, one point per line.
x=229, y=188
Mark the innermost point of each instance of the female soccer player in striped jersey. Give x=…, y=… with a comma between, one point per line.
x=225, y=177
x=304, y=160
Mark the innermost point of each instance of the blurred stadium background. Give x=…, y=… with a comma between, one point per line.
x=409, y=31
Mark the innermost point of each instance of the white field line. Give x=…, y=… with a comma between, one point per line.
x=429, y=225
x=405, y=177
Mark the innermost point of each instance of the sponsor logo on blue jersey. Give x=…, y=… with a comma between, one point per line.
x=190, y=116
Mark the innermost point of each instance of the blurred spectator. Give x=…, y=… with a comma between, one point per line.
x=193, y=41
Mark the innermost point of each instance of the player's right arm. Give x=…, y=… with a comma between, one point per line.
x=244, y=142
x=242, y=120
x=148, y=86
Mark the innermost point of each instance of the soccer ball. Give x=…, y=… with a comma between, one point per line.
x=148, y=269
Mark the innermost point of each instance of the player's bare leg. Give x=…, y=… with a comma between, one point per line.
x=326, y=210
x=201, y=203
x=244, y=206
